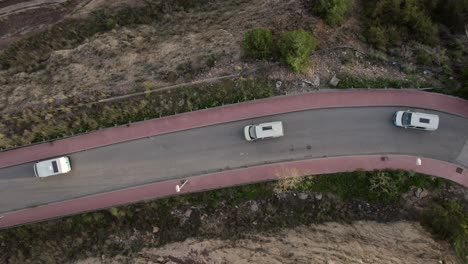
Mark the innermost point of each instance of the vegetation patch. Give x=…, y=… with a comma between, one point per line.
x=224, y=213
x=351, y=81
x=36, y=126
x=258, y=43
x=295, y=47
x=448, y=220
x=332, y=11
x=376, y=186
x=463, y=90
x=29, y=54
x=391, y=22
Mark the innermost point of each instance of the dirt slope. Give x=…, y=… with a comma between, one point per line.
x=181, y=47
x=361, y=242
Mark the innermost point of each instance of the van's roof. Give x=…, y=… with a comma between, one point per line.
x=272, y=129
x=425, y=120
x=52, y=167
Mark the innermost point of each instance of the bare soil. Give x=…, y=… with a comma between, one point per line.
x=19, y=19
x=330, y=243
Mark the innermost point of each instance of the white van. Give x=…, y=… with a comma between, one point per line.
x=262, y=131
x=416, y=120
x=52, y=167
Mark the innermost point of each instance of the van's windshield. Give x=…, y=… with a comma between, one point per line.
x=252, y=133
x=406, y=119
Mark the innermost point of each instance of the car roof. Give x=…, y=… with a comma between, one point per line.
x=424, y=120
x=269, y=129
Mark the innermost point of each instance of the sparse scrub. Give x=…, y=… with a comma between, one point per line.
x=258, y=43
x=30, y=53
x=288, y=179
x=463, y=90
x=392, y=21
x=351, y=81
x=452, y=13
x=378, y=186
x=424, y=58
x=295, y=48
x=332, y=11
x=35, y=126
x=449, y=220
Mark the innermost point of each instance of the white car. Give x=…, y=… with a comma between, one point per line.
x=262, y=131
x=416, y=120
x=52, y=167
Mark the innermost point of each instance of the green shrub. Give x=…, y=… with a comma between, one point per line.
x=452, y=13
x=379, y=186
x=424, y=58
x=351, y=81
x=390, y=21
x=463, y=90
x=377, y=37
x=295, y=48
x=449, y=220
x=258, y=43
x=332, y=11
x=46, y=124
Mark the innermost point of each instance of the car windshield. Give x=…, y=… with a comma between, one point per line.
x=406, y=119
x=252, y=132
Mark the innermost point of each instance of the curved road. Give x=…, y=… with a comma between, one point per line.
x=308, y=134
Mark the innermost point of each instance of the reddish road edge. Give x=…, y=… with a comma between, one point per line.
x=235, y=112
x=232, y=178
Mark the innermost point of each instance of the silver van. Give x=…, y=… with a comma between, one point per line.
x=416, y=120
x=262, y=131
x=52, y=167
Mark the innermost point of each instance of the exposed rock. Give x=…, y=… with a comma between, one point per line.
x=426, y=72
x=188, y=213
x=302, y=196
x=421, y=193
x=278, y=84
x=181, y=102
x=334, y=81
x=316, y=81
x=155, y=229
x=318, y=196
x=254, y=206
x=238, y=68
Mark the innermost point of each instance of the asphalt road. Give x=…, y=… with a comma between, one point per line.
x=308, y=134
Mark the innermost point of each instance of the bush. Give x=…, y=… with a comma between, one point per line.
x=391, y=21
x=377, y=37
x=295, y=48
x=332, y=11
x=424, y=58
x=378, y=186
x=452, y=13
x=463, y=90
x=449, y=220
x=258, y=43
x=351, y=81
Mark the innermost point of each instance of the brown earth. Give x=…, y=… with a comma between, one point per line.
x=178, y=49
x=330, y=243
x=22, y=18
